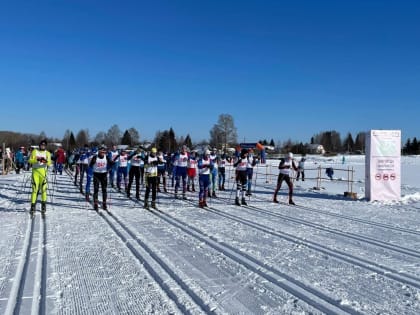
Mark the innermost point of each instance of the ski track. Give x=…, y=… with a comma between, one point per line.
x=26, y=297
x=212, y=270
x=354, y=261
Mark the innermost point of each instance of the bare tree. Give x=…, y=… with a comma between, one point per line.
x=82, y=137
x=135, y=136
x=113, y=135
x=100, y=138
x=224, y=133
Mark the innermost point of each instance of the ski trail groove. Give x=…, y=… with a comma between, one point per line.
x=310, y=295
x=348, y=258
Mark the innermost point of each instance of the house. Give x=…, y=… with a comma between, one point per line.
x=315, y=148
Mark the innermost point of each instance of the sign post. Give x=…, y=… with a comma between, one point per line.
x=383, y=165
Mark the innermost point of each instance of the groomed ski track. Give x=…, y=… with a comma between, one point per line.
x=133, y=260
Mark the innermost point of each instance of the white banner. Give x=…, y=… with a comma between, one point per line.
x=383, y=165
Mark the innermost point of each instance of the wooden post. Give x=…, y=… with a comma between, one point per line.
x=2, y=158
x=266, y=174
x=350, y=177
x=318, y=180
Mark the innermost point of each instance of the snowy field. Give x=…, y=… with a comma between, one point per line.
x=327, y=255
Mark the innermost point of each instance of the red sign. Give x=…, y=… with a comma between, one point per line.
x=385, y=176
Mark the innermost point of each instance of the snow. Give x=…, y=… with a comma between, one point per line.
x=327, y=255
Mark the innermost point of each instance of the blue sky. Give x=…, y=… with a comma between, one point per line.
x=282, y=69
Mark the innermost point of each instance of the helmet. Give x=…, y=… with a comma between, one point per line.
x=290, y=155
x=154, y=150
x=207, y=152
x=43, y=142
x=102, y=148
x=244, y=151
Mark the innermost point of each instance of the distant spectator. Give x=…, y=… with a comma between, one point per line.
x=301, y=169
x=60, y=159
x=330, y=172
x=19, y=160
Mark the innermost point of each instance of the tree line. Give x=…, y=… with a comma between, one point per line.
x=223, y=135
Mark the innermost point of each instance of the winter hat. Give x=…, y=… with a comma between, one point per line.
x=290, y=155
x=154, y=150
x=43, y=142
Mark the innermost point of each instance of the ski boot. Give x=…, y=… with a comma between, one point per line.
x=214, y=194
x=184, y=196
x=87, y=197
x=104, y=206
x=201, y=204
x=243, y=201
x=96, y=205
x=248, y=192
x=154, y=205
x=43, y=207
x=275, y=200
x=237, y=201
x=291, y=202
x=32, y=211
x=146, y=205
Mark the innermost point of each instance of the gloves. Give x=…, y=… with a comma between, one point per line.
x=42, y=160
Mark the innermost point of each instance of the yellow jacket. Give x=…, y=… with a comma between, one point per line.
x=40, y=159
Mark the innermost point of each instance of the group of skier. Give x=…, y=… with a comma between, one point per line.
x=121, y=169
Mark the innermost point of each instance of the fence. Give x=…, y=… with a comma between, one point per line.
x=270, y=172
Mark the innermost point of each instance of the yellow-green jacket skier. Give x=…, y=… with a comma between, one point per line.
x=40, y=160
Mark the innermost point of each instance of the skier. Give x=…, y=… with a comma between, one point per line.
x=122, y=160
x=89, y=175
x=150, y=167
x=40, y=160
x=204, y=167
x=221, y=170
x=112, y=155
x=161, y=167
x=191, y=171
x=284, y=175
x=83, y=165
x=241, y=176
x=100, y=164
x=181, y=172
x=251, y=162
x=142, y=155
x=213, y=174
x=134, y=171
